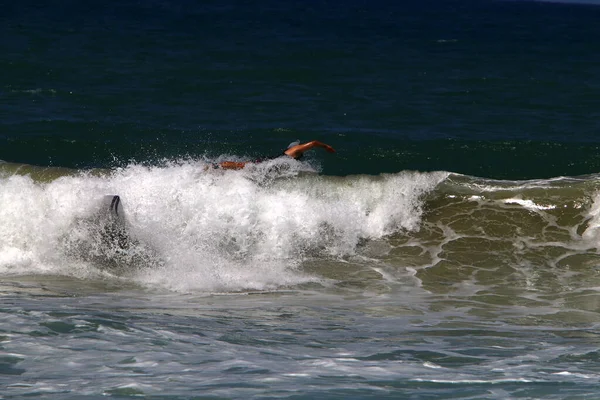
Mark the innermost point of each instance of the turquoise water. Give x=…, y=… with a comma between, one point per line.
x=448, y=249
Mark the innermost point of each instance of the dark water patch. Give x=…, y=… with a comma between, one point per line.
x=8, y=365
x=241, y=338
x=128, y=360
x=119, y=326
x=62, y=314
x=469, y=332
x=60, y=327
x=380, y=390
x=247, y=370
x=476, y=388
x=583, y=358
x=91, y=325
x=442, y=359
x=46, y=333
x=124, y=392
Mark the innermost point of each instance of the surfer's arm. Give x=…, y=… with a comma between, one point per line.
x=296, y=151
x=232, y=165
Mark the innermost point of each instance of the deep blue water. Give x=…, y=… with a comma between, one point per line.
x=489, y=88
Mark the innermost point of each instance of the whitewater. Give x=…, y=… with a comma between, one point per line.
x=204, y=229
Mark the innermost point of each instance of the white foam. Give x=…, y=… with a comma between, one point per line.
x=210, y=230
x=529, y=204
x=592, y=232
x=567, y=373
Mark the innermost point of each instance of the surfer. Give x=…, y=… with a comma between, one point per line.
x=295, y=150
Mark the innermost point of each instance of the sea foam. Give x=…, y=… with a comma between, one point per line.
x=196, y=228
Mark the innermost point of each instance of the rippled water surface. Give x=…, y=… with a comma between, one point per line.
x=448, y=249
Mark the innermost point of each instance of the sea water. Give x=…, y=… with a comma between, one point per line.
x=448, y=249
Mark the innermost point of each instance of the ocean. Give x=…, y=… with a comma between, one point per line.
x=448, y=249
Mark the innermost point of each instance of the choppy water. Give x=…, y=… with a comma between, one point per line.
x=280, y=282
x=448, y=249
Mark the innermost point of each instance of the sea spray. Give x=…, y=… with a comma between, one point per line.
x=190, y=227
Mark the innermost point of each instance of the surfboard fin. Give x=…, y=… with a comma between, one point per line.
x=114, y=203
x=113, y=230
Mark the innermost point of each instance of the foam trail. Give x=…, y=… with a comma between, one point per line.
x=592, y=231
x=202, y=229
